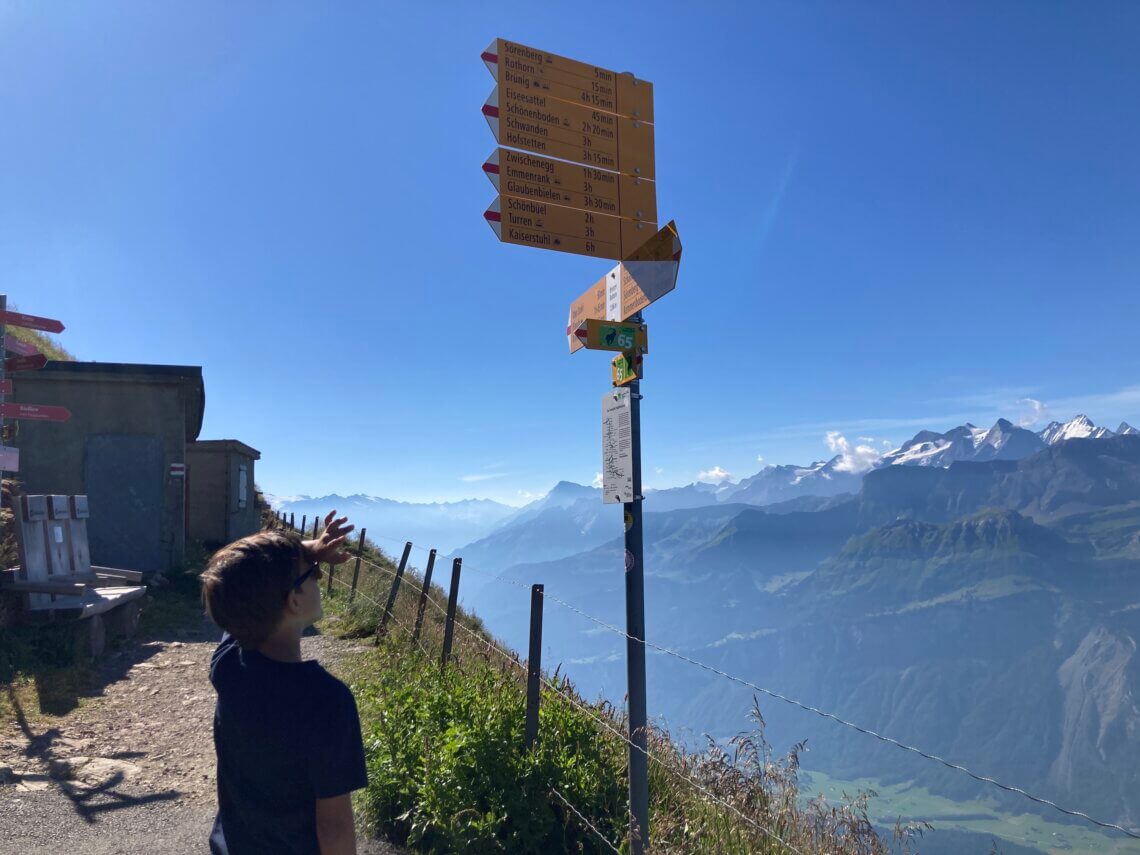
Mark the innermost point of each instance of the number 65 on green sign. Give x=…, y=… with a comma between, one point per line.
x=608, y=335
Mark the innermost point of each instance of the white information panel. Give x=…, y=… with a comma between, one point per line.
x=617, y=447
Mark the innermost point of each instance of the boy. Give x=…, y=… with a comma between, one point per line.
x=286, y=732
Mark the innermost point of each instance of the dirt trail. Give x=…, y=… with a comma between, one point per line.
x=132, y=769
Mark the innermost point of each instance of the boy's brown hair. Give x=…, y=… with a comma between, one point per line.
x=246, y=584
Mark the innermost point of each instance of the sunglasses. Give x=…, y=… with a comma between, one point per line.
x=314, y=571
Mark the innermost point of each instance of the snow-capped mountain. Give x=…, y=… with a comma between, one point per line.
x=1126, y=429
x=779, y=483
x=1003, y=441
x=1080, y=427
x=278, y=503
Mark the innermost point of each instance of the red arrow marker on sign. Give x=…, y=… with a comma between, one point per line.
x=35, y=412
x=31, y=322
x=25, y=363
x=20, y=348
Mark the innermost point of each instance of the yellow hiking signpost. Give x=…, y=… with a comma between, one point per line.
x=626, y=367
x=563, y=130
x=613, y=335
x=530, y=176
x=569, y=80
x=575, y=171
x=642, y=279
x=530, y=223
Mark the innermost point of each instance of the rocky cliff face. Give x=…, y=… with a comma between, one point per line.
x=1098, y=754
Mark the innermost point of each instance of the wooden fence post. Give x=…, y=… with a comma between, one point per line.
x=292, y=521
x=317, y=527
x=452, y=602
x=356, y=569
x=534, y=665
x=304, y=523
x=423, y=597
x=380, y=630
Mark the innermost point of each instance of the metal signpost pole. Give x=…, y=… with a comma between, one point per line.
x=635, y=644
x=578, y=175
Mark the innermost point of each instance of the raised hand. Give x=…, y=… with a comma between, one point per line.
x=329, y=548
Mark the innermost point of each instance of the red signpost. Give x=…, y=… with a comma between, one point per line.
x=18, y=347
x=25, y=363
x=35, y=412
x=27, y=358
x=31, y=322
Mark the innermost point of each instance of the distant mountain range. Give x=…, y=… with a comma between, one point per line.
x=976, y=593
x=1004, y=441
x=988, y=611
x=573, y=517
x=440, y=525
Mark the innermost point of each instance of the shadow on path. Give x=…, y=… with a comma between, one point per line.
x=88, y=800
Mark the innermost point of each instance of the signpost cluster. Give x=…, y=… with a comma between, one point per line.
x=575, y=171
x=25, y=357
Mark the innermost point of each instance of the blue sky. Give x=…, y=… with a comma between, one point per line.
x=895, y=216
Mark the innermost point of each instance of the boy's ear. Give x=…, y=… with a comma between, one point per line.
x=293, y=603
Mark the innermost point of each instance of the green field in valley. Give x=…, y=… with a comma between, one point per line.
x=914, y=803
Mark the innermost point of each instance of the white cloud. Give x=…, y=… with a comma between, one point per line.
x=714, y=475
x=660, y=470
x=597, y=482
x=527, y=495
x=759, y=458
x=482, y=476
x=1032, y=412
x=857, y=458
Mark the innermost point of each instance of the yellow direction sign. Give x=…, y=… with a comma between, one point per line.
x=646, y=275
x=627, y=366
x=529, y=176
x=533, y=122
x=611, y=335
x=528, y=223
x=569, y=80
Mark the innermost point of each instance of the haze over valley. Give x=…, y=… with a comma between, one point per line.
x=974, y=592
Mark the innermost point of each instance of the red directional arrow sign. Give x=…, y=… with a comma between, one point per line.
x=35, y=412
x=18, y=347
x=25, y=363
x=31, y=322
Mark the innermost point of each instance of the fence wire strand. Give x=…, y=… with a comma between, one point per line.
x=984, y=779
x=585, y=821
x=608, y=726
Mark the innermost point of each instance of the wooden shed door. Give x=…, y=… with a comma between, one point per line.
x=124, y=475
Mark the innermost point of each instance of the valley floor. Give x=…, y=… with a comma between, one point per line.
x=975, y=818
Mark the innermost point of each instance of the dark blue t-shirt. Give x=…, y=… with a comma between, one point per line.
x=286, y=734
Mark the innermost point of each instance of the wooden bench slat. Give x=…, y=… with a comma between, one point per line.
x=118, y=573
x=44, y=587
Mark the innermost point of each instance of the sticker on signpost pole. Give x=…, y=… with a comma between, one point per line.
x=617, y=447
x=630, y=561
x=9, y=459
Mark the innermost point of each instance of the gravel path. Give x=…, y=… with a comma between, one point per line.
x=131, y=769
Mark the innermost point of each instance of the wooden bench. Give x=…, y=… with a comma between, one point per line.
x=55, y=571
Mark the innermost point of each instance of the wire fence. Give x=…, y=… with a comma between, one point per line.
x=927, y=755
x=601, y=720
